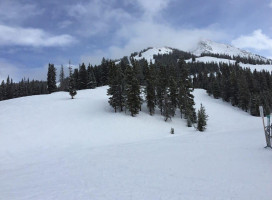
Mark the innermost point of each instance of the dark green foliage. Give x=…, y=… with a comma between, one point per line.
x=91, y=80
x=244, y=94
x=76, y=79
x=202, y=118
x=51, y=78
x=185, y=97
x=116, y=87
x=82, y=77
x=150, y=89
x=72, y=84
x=161, y=84
x=168, y=109
x=254, y=105
x=216, y=90
x=132, y=92
x=62, y=79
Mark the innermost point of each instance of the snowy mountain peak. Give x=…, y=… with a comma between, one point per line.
x=208, y=46
x=151, y=51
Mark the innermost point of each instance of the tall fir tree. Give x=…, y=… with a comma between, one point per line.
x=132, y=92
x=150, y=89
x=82, y=76
x=91, y=80
x=62, y=79
x=116, y=90
x=72, y=86
x=202, y=118
x=51, y=78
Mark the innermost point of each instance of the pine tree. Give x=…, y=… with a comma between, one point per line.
x=168, y=109
x=173, y=93
x=104, y=71
x=51, y=78
x=62, y=79
x=76, y=79
x=132, y=92
x=185, y=97
x=201, y=119
x=91, y=82
x=254, y=105
x=150, y=89
x=72, y=87
x=161, y=84
x=244, y=94
x=116, y=90
x=83, y=77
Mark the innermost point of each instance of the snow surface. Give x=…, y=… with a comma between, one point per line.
x=148, y=55
x=209, y=59
x=52, y=147
x=208, y=46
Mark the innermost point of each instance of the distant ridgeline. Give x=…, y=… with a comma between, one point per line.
x=239, y=86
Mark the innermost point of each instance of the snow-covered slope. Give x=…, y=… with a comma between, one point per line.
x=208, y=46
x=150, y=52
x=52, y=147
x=209, y=59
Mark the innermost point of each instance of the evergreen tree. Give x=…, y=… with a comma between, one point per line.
x=76, y=79
x=168, y=109
x=132, y=92
x=150, y=89
x=173, y=92
x=116, y=90
x=91, y=82
x=104, y=72
x=161, y=84
x=254, y=105
x=185, y=96
x=83, y=77
x=201, y=119
x=51, y=78
x=72, y=86
x=62, y=79
x=244, y=94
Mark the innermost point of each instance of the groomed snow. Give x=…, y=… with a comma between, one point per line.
x=52, y=147
x=148, y=55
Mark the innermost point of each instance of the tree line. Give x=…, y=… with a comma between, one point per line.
x=167, y=88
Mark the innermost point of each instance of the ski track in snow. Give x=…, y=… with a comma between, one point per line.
x=52, y=147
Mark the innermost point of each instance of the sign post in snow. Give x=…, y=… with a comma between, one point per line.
x=266, y=129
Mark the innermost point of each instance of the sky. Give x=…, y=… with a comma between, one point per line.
x=35, y=33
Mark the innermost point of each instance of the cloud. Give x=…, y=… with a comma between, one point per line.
x=96, y=17
x=153, y=7
x=149, y=34
x=257, y=41
x=16, y=11
x=32, y=37
x=270, y=5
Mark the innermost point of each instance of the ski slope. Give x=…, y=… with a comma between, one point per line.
x=52, y=147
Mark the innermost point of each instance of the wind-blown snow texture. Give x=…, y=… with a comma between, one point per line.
x=52, y=147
